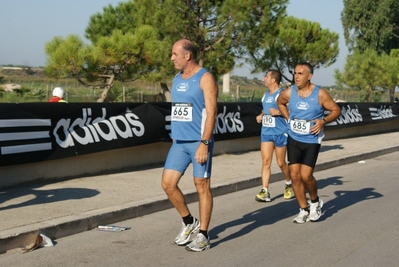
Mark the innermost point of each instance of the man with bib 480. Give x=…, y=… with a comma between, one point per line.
x=273, y=137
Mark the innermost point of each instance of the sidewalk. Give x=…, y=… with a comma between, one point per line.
x=69, y=207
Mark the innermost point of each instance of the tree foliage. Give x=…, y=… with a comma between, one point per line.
x=371, y=73
x=112, y=18
x=370, y=24
x=390, y=80
x=297, y=40
x=224, y=31
x=371, y=31
x=221, y=29
x=123, y=57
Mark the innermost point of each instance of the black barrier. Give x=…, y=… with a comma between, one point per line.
x=33, y=132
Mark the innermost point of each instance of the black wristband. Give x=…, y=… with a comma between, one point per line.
x=325, y=122
x=205, y=142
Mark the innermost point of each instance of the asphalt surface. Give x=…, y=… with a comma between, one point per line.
x=68, y=207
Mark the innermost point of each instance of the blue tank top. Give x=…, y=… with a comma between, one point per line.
x=188, y=112
x=272, y=125
x=301, y=113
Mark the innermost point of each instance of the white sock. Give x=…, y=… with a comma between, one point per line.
x=288, y=183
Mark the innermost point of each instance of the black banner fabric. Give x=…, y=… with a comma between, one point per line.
x=44, y=131
x=32, y=132
x=357, y=114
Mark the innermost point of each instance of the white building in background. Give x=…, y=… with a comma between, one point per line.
x=226, y=83
x=11, y=68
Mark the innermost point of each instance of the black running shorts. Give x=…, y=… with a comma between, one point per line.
x=302, y=153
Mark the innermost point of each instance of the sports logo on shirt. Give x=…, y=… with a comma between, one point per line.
x=269, y=99
x=302, y=105
x=182, y=87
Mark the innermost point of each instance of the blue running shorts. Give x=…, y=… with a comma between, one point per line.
x=279, y=140
x=182, y=153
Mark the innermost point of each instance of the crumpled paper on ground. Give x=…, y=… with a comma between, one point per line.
x=41, y=241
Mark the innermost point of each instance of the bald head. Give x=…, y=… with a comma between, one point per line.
x=188, y=46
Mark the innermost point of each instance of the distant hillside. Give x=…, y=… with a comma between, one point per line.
x=239, y=80
x=22, y=71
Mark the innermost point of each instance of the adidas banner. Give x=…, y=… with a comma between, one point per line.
x=32, y=132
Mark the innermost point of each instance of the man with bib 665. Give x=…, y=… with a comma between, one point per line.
x=193, y=116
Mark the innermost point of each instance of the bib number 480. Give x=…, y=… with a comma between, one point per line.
x=268, y=121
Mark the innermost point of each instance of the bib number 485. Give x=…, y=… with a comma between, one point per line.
x=300, y=126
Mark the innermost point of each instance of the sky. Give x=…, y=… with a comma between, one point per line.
x=26, y=25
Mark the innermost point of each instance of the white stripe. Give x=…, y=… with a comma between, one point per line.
x=25, y=148
x=203, y=116
x=24, y=135
x=25, y=122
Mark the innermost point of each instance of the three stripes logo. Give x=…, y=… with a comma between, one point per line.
x=24, y=135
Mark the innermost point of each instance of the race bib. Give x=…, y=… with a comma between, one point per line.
x=268, y=121
x=300, y=126
x=182, y=112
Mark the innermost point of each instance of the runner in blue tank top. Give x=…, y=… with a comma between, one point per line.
x=193, y=115
x=303, y=105
x=273, y=137
x=188, y=107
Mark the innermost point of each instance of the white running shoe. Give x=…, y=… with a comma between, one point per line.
x=302, y=217
x=200, y=243
x=186, y=231
x=315, y=210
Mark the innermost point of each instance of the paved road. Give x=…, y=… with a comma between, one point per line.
x=359, y=228
x=68, y=207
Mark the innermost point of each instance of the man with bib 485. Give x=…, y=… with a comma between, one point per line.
x=303, y=105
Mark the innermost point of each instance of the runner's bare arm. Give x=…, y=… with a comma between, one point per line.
x=211, y=91
x=282, y=102
x=329, y=104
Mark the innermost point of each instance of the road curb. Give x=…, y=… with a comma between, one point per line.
x=74, y=224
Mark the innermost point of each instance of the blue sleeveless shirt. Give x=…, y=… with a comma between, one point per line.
x=188, y=112
x=301, y=113
x=272, y=125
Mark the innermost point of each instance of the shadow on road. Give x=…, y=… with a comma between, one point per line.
x=24, y=197
x=326, y=148
x=289, y=209
x=347, y=198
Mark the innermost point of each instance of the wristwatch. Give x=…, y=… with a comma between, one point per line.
x=205, y=142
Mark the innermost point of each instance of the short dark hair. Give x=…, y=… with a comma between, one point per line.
x=190, y=47
x=308, y=65
x=276, y=74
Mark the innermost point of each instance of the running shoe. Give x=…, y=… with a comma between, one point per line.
x=302, y=217
x=263, y=196
x=200, y=243
x=288, y=192
x=186, y=231
x=315, y=210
